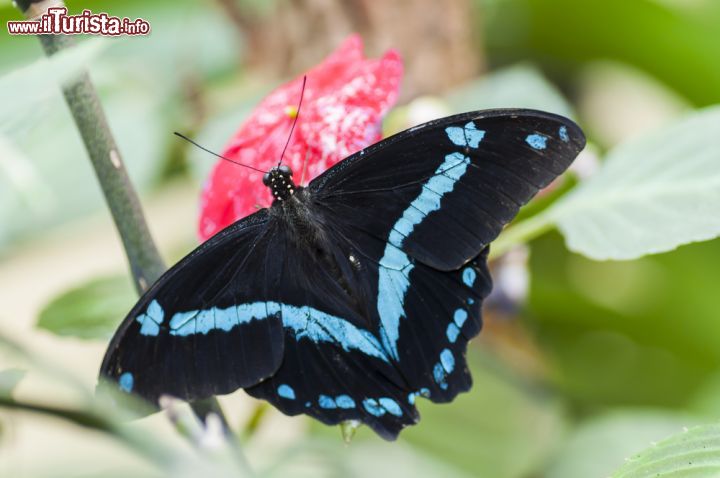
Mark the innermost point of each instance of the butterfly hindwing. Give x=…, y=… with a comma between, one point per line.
x=443, y=312
x=334, y=366
x=332, y=384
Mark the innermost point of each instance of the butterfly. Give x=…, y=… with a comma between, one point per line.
x=354, y=296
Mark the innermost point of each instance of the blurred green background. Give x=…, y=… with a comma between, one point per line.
x=589, y=365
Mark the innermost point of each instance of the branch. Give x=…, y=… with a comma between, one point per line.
x=146, y=264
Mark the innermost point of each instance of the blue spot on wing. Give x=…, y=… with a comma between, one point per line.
x=469, y=276
x=447, y=360
x=423, y=392
x=381, y=406
x=155, y=311
x=444, y=368
x=452, y=332
x=326, y=402
x=341, y=401
x=373, y=407
x=439, y=376
x=537, y=141
x=148, y=326
x=453, y=328
x=460, y=317
x=286, y=391
x=151, y=320
x=126, y=382
x=468, y=135
x=390, y=405
x=564, y=134
x=344, y=401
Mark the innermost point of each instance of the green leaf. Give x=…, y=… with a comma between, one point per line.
x=9, y=379
x=675, y=41
x=91, y=311
x=705, y=399
x=501, y=428
x=22, y=188
x=519, y=86
x=693, y=453
x=601, y=444
x=651, y=195
x=626, y=332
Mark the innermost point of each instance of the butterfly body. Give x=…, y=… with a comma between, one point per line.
x=349, y=298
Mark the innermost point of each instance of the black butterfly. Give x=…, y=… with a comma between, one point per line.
x=353, y=296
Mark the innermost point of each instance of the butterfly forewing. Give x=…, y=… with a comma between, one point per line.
x=187, y=338
x=452, y=184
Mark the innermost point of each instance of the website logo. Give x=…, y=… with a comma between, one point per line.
x=57, y=22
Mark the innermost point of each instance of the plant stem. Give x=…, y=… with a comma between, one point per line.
x=145, y=262
x=253, y=423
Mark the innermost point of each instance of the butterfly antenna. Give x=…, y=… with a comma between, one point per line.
x=297, y=115
x=215, y=154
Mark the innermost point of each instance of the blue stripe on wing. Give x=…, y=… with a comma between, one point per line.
x=395, y=265
x=307, y=323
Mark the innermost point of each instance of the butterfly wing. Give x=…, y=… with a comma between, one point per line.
x=256, y=298
x=334, y=368
x=333, y=385
x=377, y=307
x=407, y=224
x=187, y=338
x=420, y=208
x=446, y=188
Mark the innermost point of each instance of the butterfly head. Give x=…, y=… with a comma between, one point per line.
x=279, y=180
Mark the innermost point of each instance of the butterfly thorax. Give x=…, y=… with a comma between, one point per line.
x=307, y=229
x=297, y=213
x=292, y=206
x=279, y=180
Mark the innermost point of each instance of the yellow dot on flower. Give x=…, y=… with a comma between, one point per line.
x=291, y=111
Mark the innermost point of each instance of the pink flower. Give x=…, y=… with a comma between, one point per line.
x=345, y=99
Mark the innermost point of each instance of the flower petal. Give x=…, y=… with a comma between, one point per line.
x=345, y=99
